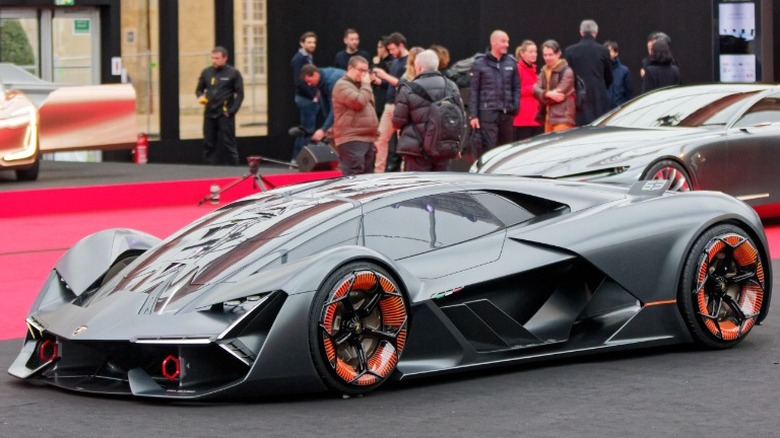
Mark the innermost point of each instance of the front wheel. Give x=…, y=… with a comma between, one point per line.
x=722, y=289
x=670, y=170
x=358, y=328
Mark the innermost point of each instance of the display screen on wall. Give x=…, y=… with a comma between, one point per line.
x=737, y=35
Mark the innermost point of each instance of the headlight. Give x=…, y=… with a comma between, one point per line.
x=240, y=305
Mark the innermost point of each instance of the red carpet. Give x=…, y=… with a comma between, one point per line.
x=33, y=244
x=139, y=195
x=773, y=238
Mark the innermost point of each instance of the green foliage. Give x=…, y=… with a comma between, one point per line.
x=14, y=45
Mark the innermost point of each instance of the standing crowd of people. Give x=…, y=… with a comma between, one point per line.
x=391, y=111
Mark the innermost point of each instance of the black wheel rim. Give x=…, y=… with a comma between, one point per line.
x=729, y=288
x=363, y=324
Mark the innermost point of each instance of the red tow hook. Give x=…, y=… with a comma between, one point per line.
x=171, y=367
x=47, y=351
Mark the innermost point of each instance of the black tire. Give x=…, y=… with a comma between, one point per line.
x=358, y=326
x=722, y=289
x=670, y=170
x=29, y=174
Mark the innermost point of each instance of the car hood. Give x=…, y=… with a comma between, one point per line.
x=240, y=240
x=219, y=248
x=590, y=149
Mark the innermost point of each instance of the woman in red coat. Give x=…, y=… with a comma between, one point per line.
x=524, y=123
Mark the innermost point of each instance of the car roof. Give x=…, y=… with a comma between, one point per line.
x=367, y=189
x=735, y=86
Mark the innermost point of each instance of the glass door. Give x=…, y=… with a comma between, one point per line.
x=75, y=58
x=75, y=43
x=20, y=38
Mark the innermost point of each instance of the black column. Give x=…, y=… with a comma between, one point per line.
x=110, y=41
x=169, y=69
x=224, y=27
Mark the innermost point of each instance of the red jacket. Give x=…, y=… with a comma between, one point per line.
x=529, y=106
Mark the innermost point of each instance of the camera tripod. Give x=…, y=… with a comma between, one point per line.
x=254, y=173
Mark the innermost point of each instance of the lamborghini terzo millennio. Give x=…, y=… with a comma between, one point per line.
x=344, y=284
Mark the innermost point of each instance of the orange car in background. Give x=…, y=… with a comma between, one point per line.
x=68, y=119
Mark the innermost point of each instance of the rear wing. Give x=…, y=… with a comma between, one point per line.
x=88, y=117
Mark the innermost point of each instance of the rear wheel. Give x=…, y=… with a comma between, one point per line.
x=722, y=289
x=29, y=174
x=672, y=171
x=357, y=328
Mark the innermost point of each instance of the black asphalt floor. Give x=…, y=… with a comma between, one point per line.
x=669, y=392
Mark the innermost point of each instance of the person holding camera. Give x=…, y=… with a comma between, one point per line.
x=354, y=119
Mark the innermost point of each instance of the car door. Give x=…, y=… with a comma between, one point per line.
x=754, y=151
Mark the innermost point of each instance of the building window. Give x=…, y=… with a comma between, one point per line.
x=251, y=58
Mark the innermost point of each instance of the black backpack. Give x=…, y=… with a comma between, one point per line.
x=445, y=129
x=580, y=90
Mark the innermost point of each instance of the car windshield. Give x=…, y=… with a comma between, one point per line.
x=680, y=107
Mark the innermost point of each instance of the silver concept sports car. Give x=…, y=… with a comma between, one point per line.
x=344, y=284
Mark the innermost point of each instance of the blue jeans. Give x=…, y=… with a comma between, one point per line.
x=309, y=111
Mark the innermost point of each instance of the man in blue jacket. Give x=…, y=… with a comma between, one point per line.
x=621, y=89
x=323, y=79
x=494, y=93
x=305, y=96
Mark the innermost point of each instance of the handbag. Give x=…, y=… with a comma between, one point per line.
x=541, y=115
x=474, y=143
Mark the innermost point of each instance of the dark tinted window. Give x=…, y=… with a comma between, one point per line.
x=766, y=110
x=683, y=107
x=423, y=224
x=505, y=210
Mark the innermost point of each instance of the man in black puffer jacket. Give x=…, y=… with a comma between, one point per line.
x=411, y=112
x=494, y=93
